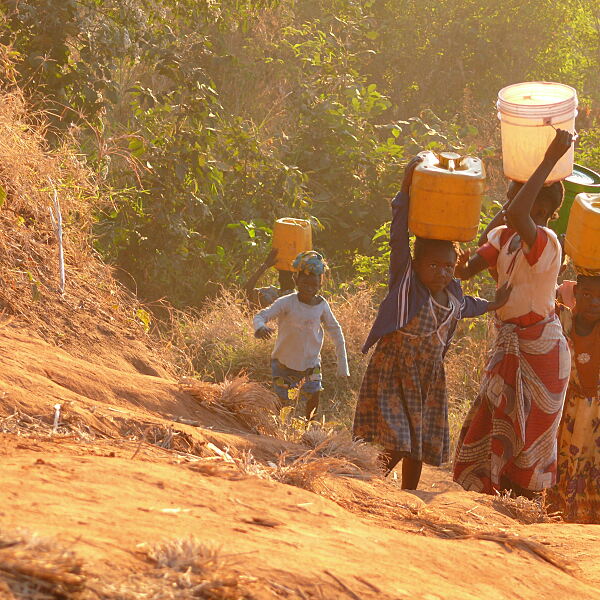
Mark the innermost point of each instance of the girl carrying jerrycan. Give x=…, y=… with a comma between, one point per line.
x=577, y=493
x=403, y=403
x=301, y=317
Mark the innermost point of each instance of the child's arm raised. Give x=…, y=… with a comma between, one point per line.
x=400, y=248
x=334, y=329
x=519, y=210
x=253, y=279
x=261, y=319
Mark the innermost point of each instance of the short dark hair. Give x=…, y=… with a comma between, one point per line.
x=552, y=196
x=423, y=245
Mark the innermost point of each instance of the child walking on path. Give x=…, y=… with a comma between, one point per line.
x=403, y=404
x=301, y=316
x=577, y=492
x=508, y=440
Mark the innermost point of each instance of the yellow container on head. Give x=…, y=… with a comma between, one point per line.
x=582, y=241
x=290, y=237
x=445, y=196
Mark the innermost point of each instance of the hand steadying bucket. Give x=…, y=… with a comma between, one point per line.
x=529, y=114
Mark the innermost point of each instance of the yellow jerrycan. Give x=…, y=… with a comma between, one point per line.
x=445, y=196
x=290, y=237
x=582, y=241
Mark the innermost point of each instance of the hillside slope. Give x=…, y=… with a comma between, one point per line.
x=117, y=485
x=106, y=486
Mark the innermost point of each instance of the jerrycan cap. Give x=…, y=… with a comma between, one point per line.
x=448, y=160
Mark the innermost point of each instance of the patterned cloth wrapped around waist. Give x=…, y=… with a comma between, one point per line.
x=545, y=340
x=538, y=338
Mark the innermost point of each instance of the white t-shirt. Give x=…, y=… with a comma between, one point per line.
x=532, y=272
x=300, y=332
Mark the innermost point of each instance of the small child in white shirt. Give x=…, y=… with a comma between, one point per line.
x=301, y=316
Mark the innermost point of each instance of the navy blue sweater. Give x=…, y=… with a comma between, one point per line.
x=406, y=294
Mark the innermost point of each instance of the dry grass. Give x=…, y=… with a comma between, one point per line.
x=303, y=470
x=523, y=509
x=334, y=455
x=203, y=570
x=36, y=569
x=329, y=454
x=218, y=342
x=309, y=469
x=30, y=174
x=331, y=443
x=189, y=553
x=465, y=364
x=356, y=312
x=248, y=465
x=250, y=402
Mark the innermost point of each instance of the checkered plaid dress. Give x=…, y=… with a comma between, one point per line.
x=403, y=404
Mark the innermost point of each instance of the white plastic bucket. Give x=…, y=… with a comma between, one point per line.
x=529, y=114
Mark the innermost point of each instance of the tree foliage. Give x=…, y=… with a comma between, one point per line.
x=205, y=120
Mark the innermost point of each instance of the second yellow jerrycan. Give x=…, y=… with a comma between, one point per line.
x=445, y=196
x=582, y=241
x=290, y=237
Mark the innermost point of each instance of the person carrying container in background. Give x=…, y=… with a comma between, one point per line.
x=301, y=317
x=265, y=296
x=290, y=238
x=577, y=492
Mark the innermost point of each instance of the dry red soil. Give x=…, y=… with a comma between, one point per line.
x=94, y=488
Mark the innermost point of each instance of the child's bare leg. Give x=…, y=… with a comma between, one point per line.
x=411, y=473
x=312, y=403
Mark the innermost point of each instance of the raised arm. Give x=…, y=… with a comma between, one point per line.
x=400, y=248
x=519, y=211
x=253, y=279
x=333, y=328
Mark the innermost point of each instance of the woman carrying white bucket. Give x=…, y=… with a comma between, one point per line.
x=508, y=440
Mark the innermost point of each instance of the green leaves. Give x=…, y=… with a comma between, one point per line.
x=206, y=121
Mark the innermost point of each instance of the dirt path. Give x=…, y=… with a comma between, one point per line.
x=107, y=498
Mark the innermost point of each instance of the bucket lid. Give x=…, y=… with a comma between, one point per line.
x=537, y=100
x=583, y=178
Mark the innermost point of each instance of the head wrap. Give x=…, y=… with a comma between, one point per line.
x=310, y=262
x=585, y=272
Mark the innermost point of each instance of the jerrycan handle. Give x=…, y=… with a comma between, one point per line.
x=449, y=160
